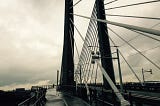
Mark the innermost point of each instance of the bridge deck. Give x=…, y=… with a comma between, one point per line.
x=58, y=99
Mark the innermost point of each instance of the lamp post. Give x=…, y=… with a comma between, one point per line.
x=123, y=102
x=120, y=73
x=118, y=59
x=143, y=71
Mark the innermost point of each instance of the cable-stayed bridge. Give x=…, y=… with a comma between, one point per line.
x=118, y=64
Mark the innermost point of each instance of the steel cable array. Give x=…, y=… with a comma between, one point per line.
x=91, y=42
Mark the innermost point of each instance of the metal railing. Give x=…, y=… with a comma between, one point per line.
x=37, y=96
x=27, y=101
x=100, y=95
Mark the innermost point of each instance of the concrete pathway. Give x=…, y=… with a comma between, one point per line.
x=58, y=99
x=53, y=99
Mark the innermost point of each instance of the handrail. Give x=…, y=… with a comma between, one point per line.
x=132, y=97
x=38, y=90
x=34, y=104
x=26, y=101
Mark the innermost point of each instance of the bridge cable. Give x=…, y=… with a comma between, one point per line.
x=135, y=49
x=127, y=64
x=88, y=59
x=110, y=2
x=86, y=46
x=88, y=62
x=81, y=56
x=94, y=44
x=156, y=25
x=77, y=30
x=85, y=50
x=93, y=40
x=76, y=49
x=142, y=34
x=144, y=50
x=95, y=49
x=130, y=16
x=76, y=3
x=89, y=66
x=85, y=80
x=156, y=32
x=133, y=4
x=72, y=41
x=81, y=67
x=146, y=30
x=91, y=32
x=113, y=42
x=130, y=67
x=146, y=35
x=129, y=40
x=125, y=61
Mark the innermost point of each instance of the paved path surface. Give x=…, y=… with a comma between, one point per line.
x=58, y=99
x=53, y=99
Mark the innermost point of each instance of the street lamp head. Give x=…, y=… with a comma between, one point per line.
x=92, y=52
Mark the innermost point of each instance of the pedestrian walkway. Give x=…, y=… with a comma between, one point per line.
x=58, y=99
x=53, y=99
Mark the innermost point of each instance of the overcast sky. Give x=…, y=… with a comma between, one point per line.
x=31, y=38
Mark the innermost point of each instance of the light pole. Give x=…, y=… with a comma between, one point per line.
x=123, y=102
x=118, y=59
x=143, y=71
x=120, y=73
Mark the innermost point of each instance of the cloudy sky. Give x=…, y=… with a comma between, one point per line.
x=31, y=37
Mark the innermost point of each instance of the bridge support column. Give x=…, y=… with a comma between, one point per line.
x=67, y=67
x=104, y=43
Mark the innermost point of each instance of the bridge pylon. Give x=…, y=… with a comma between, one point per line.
x=67, y=66
x=104, y=44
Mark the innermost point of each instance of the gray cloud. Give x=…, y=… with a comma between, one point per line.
x=31, y=33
